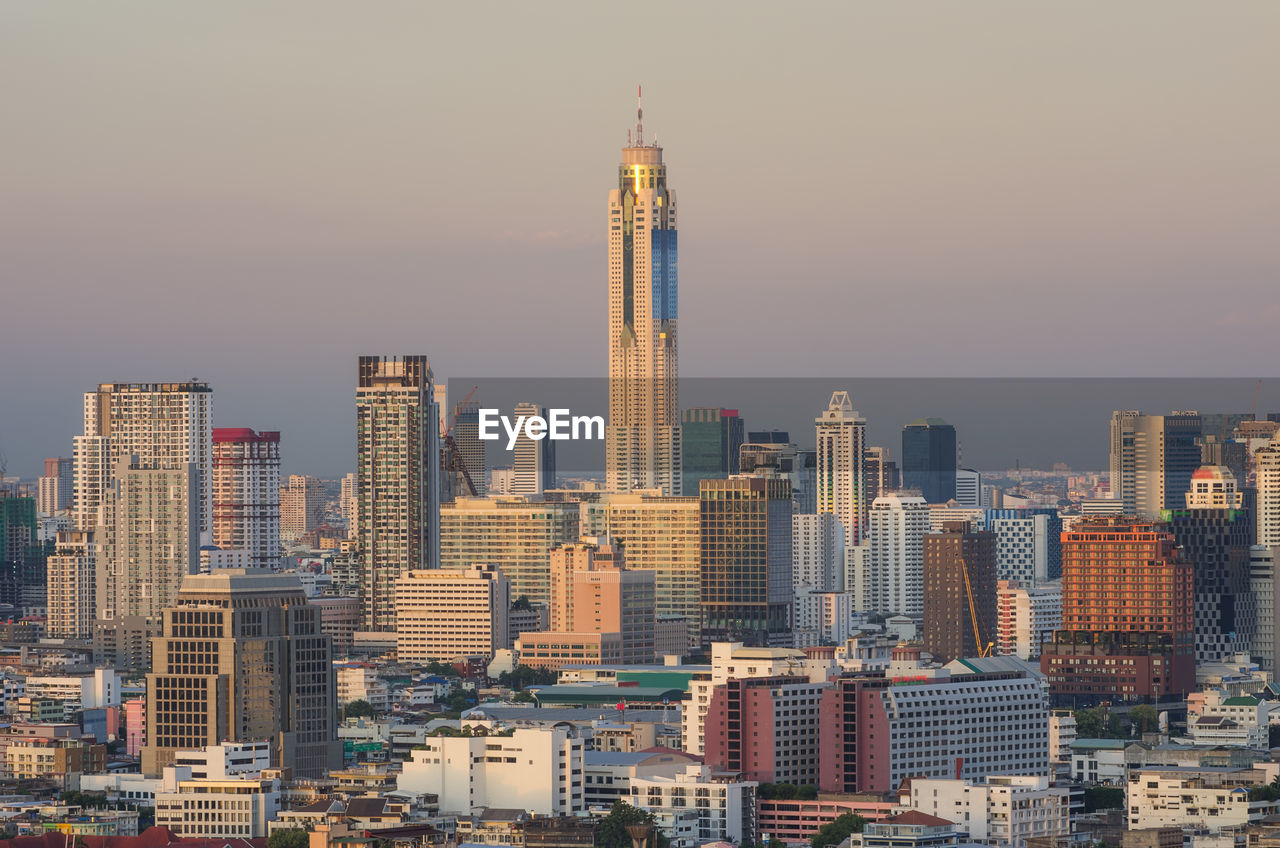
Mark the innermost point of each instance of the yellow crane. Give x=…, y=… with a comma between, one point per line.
x=973, y=613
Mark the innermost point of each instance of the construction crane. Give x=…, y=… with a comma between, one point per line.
x=973, y=613
x=453, y=456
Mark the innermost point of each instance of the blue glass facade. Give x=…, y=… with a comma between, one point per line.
x=663, y=274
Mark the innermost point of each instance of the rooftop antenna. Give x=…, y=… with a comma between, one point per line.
x=639, y=117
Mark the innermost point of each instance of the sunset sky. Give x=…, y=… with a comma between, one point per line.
x=254, y=193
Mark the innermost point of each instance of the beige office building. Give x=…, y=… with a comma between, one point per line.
x=514, y=533
x=441, y=615
x=659, y=534
x=301, y=506
x=241, y=658
x=71, y=586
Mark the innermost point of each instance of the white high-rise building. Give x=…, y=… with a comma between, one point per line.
x=71, y=586
x=246, y=494
x=534, y=460
x=1267, y=467
x=165, y=425
x=348, y=503
x=841, y=482
x=642, y=448
x=1262, y=585
x=1026, y=617
x=968, y=487
x=898, y=524
x=817, y=552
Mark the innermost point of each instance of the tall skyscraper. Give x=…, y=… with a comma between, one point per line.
x=891, y=579
x=710, y=438
x=929, y=459
x=56, y=486
x=1267, y=470
x=22, y=557
x=534, y=460
x=301, y=501
x=642, y=448
x=466, y=435
x=841, y=478
x=746, y=560
x=398, y=468
x=1127, y=614
x=817, y=550
x=959, y=591
x=1152, y=460
x=1216, y=532
x=149, y=541
x=165, y=425
x=349, y=503
x=241, y=658
x=71, y=586
x=246, y=494
x=882, y=473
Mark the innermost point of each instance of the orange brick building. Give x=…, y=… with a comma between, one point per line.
x=1127, y=615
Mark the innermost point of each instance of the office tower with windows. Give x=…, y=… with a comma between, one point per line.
x=534, y=460
x=890, y=579
x=746, y=560
x=841, y=480
x=466, y=436
x=445, y=614
x=968, y=487
x=241, y=658
x=1267, y=473
x=246, y=494
x=398, y=479
x=165, y=425
x=642, y=448
x=710, y=438
x=817, y=550
x=1152, y=460
x=1216, y=532
x=883, y=476
x=1127, y=615
x=959, y=591
x=929, y=459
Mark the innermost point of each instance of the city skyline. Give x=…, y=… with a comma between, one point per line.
x=1145, y=165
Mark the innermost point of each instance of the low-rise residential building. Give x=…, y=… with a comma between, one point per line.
x=1098, y=761
x=608, y=775
x=1004, y=810
x=796, y=821
x=234, y=808
x=725, y=806
x=361, y=682
x=1240, y=721
x=912, y=829
x=1208, y=799
x=536, y=769
x=1062, y=732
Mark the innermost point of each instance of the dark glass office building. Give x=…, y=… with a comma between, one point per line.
x=929, y=459
x=710, y=439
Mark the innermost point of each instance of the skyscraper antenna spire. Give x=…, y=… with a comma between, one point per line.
x=639, y=117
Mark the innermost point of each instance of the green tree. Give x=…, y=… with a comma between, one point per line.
x=835, y=832
x=440, y=669
x=522, y=603
x=523, y=676
x=290, y=838
x=1144, y=719
x=358, y=708
x=1103, y=798
x=612, y=832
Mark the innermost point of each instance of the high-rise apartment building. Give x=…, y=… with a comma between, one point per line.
x=1026, y=617
x=22, y=555
x=349, y=502
x=514, y=533
x=1028, y=543
x=55, y=487
x=841, y=480
x=533, y=460
x=445, y=614
x=1152, y=460
x=71, y=586
x=1267, y=471
x=1215, y=533
x=1127, y=614
x=929, y=459
x=165, y=425
x=642, y=447
x=659, y=534
x=301, y=501
x=891, y=579
x=746, y=560
x=241, y=658
x=149, y=540
x=968, y=487
x=710, y=438
x=959, y=591
x=1264, y=643
x=246, y=493
x=882, y=474
x=817, y=552
x=471, y=450
x=398, y=473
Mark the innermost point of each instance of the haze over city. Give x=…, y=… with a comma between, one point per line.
x=253, y=195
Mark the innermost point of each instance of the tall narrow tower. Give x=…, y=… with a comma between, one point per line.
x=842, y=444
x=642, y=449
x=398, y=479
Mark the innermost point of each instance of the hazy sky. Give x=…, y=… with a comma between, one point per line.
x=254, y=193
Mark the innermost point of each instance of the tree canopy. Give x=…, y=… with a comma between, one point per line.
x=288, y=838
x=358, y=708
x=613, y=827
x=835, y=832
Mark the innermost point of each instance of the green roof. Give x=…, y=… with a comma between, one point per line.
x=1242, y=701
x=1102, y=744
x=664, y=679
